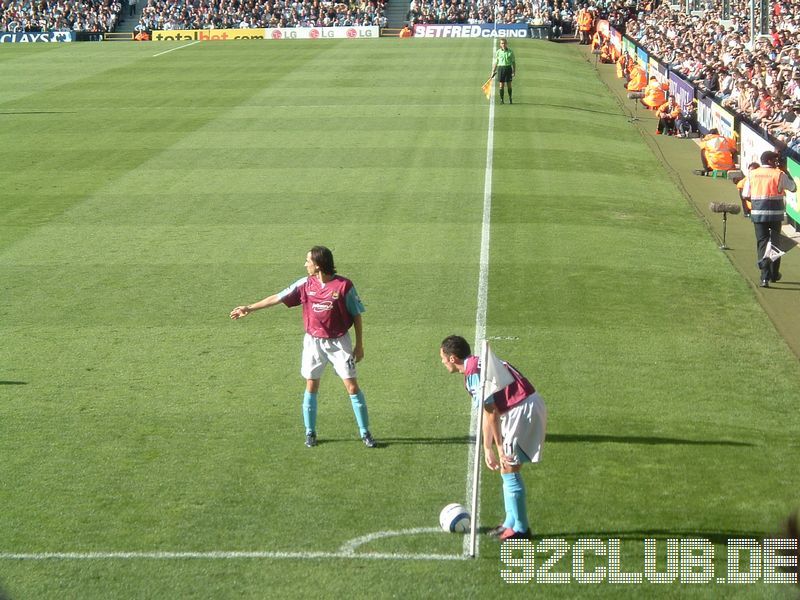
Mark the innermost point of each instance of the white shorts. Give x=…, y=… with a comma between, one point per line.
x=523, y=430
x=318, y=352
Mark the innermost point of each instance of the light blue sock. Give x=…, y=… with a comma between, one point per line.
x=508, y=500
x=514, y=489
x=360, y=411
x=310, y=411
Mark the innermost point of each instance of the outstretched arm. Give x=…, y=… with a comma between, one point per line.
x=243, y=311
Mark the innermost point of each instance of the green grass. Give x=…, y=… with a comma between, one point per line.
x=143, y=197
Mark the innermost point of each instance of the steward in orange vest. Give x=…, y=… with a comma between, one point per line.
x=716, y=152
x=668, y=113
x=654, y=94
x=606, y=53
x=585, y=21
x=765, y=187
x=623, y=65
x=638, y=79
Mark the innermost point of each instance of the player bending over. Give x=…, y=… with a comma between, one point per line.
x=514, y=423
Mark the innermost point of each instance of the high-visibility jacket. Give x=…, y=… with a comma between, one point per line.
x=638, y=79
x=765, y=187
x=654, y=94
x=584, y=20
x=597, y=39
x=673, y=111
x=718, y=151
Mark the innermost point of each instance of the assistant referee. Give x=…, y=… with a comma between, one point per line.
x=505, y=67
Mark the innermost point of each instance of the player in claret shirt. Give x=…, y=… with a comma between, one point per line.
x=514, y=425
x=330, y=307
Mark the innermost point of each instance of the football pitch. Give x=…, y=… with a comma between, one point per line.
x=150, y=447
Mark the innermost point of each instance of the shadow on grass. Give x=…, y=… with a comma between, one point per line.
x=636, y=439
x=785, y=286
x=716, y=537
x=13, y=383
x=391, y=441
x=38, y=112
x=551, y=438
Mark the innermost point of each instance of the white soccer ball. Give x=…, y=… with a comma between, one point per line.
x=454, y=518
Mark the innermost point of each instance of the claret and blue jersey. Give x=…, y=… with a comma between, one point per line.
x=328, y=308
x=505, y=399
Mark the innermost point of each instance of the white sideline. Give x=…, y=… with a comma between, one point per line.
x=346, y=551
x=178, y=48
x=223, y=555
x=480, y=313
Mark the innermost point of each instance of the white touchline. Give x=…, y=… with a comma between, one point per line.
x=223, y=555
x=483, y=289
x=178, y=48
x=346, y=551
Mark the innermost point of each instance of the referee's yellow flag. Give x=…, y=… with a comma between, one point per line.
x=487, y=88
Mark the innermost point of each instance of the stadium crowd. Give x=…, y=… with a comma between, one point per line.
x=240, y=14
x=59, y=15
x=558, y=14
x=760, y=82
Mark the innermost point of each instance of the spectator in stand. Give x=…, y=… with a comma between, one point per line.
x=782, y=118
x=710, y=80
x=764, y=112
x=556, y=13
x=221, y=14
x=751, y=80
x=97, y=16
